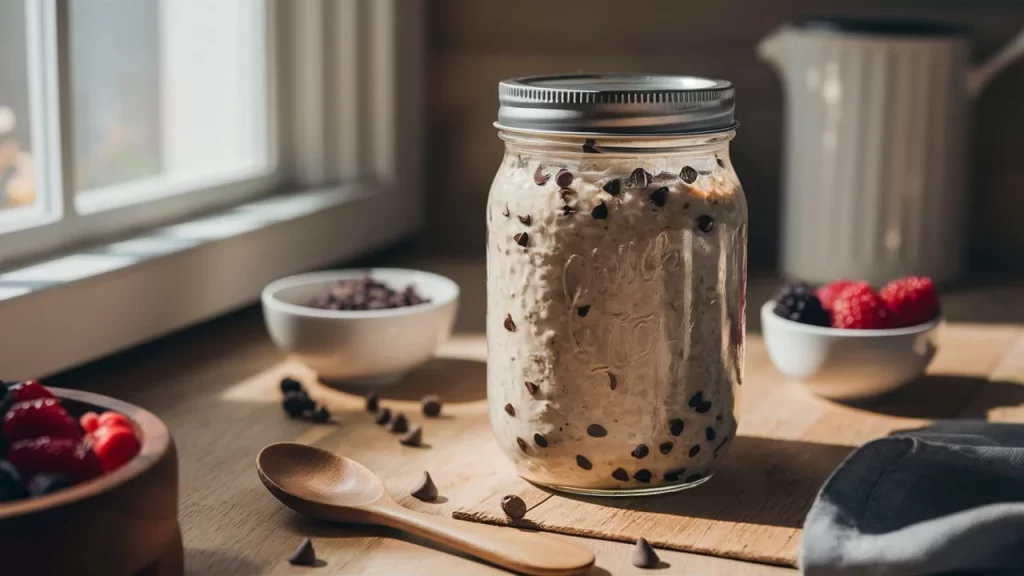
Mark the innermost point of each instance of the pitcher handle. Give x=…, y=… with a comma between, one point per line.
x=979, y=77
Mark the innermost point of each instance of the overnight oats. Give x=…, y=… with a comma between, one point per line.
x=616, y=263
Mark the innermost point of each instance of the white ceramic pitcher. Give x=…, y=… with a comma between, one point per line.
x=875, y=166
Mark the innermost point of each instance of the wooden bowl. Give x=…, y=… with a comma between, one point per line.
x=124, y=522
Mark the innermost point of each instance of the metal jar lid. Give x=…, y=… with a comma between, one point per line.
x=616, y=104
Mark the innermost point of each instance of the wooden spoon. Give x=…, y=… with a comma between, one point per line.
x=324, y=485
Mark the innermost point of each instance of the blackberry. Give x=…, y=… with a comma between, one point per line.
x=798, y=302
x=11, y=487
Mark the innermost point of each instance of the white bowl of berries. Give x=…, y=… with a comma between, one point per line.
x=88, y=485
x=366, y=327
x=846, y=341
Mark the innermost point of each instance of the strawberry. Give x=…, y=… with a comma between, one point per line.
x=828, y=293
x=45, y=455
x=110, y=418
x=115, y=446
x=89, y=422
x=29, y=390
x=859, y=307
x=913, y=300
x=39, y=417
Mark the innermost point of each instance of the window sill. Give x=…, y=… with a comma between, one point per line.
x=89, y=303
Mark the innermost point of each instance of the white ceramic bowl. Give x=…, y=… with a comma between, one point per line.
x=844, y=364
x=362, y=346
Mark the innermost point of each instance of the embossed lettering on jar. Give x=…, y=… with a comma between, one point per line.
x=616, y=263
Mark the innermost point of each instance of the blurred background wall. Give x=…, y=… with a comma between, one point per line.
x=475, y=43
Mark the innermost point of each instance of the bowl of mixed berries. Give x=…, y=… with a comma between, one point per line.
x=848, y=341
x=88, y=484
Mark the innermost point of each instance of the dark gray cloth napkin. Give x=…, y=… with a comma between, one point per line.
x=947, y=499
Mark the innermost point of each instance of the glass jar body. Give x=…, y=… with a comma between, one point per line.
x=616, y=279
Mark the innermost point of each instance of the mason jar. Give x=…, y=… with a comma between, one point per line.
x=616, y=280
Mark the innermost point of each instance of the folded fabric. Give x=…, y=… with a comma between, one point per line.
x=947, y=499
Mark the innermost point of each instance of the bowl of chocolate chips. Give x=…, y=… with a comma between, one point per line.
x=361, y=326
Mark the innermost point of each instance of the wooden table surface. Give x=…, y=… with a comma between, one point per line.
x=215, y=387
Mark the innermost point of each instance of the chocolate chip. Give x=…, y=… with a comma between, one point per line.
x=696, y=400
x=522, y=443
x=304, y=555
x=509, y=324
x=540, y=440
x=582, y=462
x=513, y=506
x=642, y=475
x=510, y=410
x=660, y=197
x=703, y=407
x=597, y=431
x=674, y=475
x=372, y=401
x=539, y=177
x=695, y=450
x=640, y=451
x=613, y=187
x=290, y=385
x=568, y=210
x=425, y=490
x=665, y=447
x=531, y=387
x=564, y=178
x=694, y=477
x=613, y=382
x=522, y=239
x=620, y=474
x=383, y=416
x=582, y=311
x=705, y=223
x=709, y=433
x=675, y=426
x=640, y=178
x=431, y=405
x=321, y=415
x=505, y=212
x=297, y=403
x=526, y=220
x=600, y=212
x=590, y=146
x=414, y=437
x=665, y=176
x=365, y=294
x=721, y=163
x=644, y=556
x=688, y=174
x=567, y=194
x=399, y=424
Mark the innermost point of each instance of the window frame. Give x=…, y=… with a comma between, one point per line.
x=345, y=80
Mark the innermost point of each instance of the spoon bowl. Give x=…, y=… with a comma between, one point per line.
x=325, y=485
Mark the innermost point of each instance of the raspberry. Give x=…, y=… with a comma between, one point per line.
x=859, y=307
x=115, y=446
x=113, y=419
x=89, y=421
x=797, y=302
x=29, y=390
x=72, y=458
x=828, y=293
x=39, y=417
x=913, y=300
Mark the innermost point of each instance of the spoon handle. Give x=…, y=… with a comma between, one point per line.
x=525, y=552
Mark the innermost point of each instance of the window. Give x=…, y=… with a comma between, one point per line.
x=192, y=151
x=158, y=98
x=168, y=96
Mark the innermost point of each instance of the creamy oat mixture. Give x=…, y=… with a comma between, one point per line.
x=615, y=317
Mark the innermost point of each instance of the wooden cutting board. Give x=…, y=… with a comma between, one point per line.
x=789, y=442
